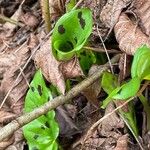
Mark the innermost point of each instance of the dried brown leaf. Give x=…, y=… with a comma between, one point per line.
x=6, y=116
x=45, y=60
x=30, y=20
x=128, y=35
x=122, y=143
x=107, y=126
x=15, y=99
x=112, y=10
x=71, y=68
x=91, y=93
x=142, y=9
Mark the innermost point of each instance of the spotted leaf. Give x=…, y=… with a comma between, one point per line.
x=70, y=33
x=42, y=133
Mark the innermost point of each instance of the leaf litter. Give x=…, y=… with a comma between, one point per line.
x=127, y=21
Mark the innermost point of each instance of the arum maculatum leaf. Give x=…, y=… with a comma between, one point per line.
x=109, y=82
x=70, y=33
x=141, y=63
x=42, y=133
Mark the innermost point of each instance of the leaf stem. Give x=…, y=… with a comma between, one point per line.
x=46, y=14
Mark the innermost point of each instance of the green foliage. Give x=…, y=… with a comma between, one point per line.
x=109, y=82
x=42, y=133
x=111, y=87
x=128, y=89
x=141, y=63
x=86, y=59
x=70, y=33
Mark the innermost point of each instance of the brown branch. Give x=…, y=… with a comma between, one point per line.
x=28, y=117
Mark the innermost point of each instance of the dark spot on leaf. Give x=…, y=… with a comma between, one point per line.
x=61, y=29
x=80, y=15
x=70, y=43
x=48, y=99
x=32, y=89
x=81, y=20
x=83, y=53
x=119, y=92
x=47, y=124
x=36, y=136
x=40, y=90
x=43, y=127
x=76, y=39
x=82, y=23
x=35, y=148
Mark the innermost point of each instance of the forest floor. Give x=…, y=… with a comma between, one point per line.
x=119, y=28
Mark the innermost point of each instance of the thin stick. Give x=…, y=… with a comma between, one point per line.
x=77, y=5
x=105, y=50
x=28, y=117
x=101, y=50
x=46, y=14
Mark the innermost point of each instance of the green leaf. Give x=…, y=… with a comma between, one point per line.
x=42, y=133
x=109, y=82
x=109, y=98
x=128, y=90
x=141, y=63
x=130, y=118
x=70, y=33
x=86, y=59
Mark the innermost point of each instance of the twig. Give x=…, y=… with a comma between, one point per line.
x=12, y=21
x=77, y=5
x=105, y=50
x=46, y=14
x=101, y=50
x=28, y=117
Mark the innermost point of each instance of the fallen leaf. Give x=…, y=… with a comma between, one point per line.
x=91, y=93
x=142, y=9
x=129, y=36
x=122, y=143
x=45, y=60
x=112, y=10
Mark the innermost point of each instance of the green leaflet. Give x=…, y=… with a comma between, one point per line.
x=109, y=82
x=141, y=63
x=123, y=92
x=70, y=33
x=41, y=134
x=128, y=90
x=110, y=85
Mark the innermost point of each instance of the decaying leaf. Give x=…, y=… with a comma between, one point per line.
x=91, y=93
x=112, y=10
x=107, y=126
x=122, y=143
x=45, y=60
x=142, y=9
x=54, y=71
x=129, y=36
x=29, y=19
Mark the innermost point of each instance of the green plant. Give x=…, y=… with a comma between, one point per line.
x=41, y=133
x=140, y=71
x=70, y=33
